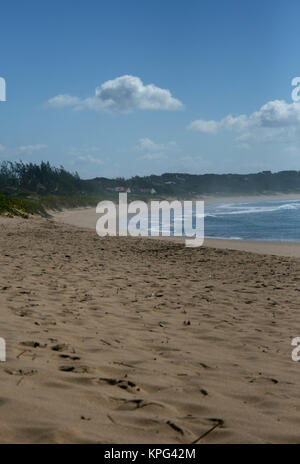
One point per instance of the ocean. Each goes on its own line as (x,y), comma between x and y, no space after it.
(257,220)
(263,220)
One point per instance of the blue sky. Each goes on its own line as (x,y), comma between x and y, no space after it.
(182,86)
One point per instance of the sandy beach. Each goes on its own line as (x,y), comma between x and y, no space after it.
(150,226)
(127,340)
(86,218)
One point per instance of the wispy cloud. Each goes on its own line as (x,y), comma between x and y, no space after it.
(90,159)
(60,101)
(125,93)
(205,127)
(155,151)
(29,149)
(292,150)
(84,154)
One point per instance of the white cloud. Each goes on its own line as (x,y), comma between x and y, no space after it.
(206,127)
(146,144)
(238,123)
(277,113)
(83,154)
(155,151)
(60,101)
(29,149)
(125,93)
(2,148)
(276,120)
(212,127)
(90,159)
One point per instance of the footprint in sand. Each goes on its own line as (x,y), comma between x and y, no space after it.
(130,405)
(33,344)
(67,356)
(75,369)
(21,372)
(127,385)
(59,347)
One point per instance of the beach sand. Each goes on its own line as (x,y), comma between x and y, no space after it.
(129,340)
(86,218)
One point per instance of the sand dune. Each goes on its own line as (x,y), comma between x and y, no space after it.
(144,341)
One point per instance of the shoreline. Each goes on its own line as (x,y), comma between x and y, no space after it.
(86,218)
(215,199)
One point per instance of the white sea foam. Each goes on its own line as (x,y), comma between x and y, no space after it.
(250,208)
(263,222)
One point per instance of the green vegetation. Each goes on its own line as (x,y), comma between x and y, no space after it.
(23,207)
(192,185)
(28,188)
(17,207)
(34,189)
(43,179)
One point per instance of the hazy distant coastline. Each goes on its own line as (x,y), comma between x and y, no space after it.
(238,198)
(44,179)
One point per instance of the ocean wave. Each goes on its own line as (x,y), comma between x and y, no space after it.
(224,237)
(240,208)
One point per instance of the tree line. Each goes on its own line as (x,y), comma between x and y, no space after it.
(44,179)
